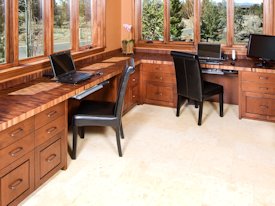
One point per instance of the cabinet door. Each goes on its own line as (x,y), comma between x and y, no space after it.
(17,180)
(49,158)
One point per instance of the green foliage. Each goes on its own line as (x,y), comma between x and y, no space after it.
(247,20)
(213,20)
(152,20)
(176,23)
(61,16)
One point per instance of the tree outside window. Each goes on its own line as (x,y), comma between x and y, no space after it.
(213,21)
(31,32)
(152,20)
(85,24)
(248,18)
(181,20)
(2,31)
(62,34)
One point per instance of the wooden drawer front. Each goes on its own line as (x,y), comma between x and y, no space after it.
(272,107)
(134,79)
(159,92)
(163,68)
(258,77)
(160,77)
(135,94)
(15,183)
(49,115)
(16,132)
(49,158)
(16,150)
(256,87)
(49,130)
(257,105)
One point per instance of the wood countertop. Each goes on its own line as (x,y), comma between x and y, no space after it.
(16,108)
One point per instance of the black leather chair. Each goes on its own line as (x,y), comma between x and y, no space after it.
(190,84)
(95,113)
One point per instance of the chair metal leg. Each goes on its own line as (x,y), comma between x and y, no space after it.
(221,103)
(200,112)
(178,106)
(75,131)
(118,141)
(196,104)
(121,131)
(82,132)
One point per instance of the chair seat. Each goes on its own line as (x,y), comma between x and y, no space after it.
(211,89)
(96,108)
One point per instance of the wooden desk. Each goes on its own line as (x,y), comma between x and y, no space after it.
(33,133)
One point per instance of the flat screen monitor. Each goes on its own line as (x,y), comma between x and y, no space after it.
(62,63)
(209,51)
(261,47)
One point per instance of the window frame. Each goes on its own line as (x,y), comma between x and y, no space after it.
(12,41)
(268,27)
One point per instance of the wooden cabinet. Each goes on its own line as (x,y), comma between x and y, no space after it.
(257,95)
(132,93)
(158,84)
(31,152)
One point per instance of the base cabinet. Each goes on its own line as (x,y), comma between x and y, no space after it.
(31,152)
(158,84)
(257,96)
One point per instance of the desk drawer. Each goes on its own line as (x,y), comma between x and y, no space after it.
(49,115)
(160,77)
(16,183)
(258,87)
(16,132)
(46,132)
(257,105)
(16,150)
(159,68)
(134,78)
(258,77)
(159,92)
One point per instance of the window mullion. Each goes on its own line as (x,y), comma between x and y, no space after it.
(48,27)
(230,23)
(74,24)
(197,28)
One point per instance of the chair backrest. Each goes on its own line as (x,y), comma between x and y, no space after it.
(188,75)
(122,89)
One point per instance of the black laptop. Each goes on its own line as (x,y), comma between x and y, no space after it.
(64,68)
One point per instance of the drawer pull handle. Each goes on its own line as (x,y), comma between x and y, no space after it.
(134,79)
(263,78)
(160,78)
(51,158)
(159,93)
(52,113)
(51,130)
(264,106)
(15,184)
(16,132)
(16,151)
(263,88)
(134,96)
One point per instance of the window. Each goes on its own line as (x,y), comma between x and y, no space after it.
(85,22)
(152,20)
(31,32)
(213,21)
(2,31)
(182,20)
(248,18)
(62,34)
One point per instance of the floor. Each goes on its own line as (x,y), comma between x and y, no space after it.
(169,161)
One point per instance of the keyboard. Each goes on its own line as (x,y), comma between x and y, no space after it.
(212,71)
(216,62)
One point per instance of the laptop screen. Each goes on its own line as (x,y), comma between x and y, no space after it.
(209,51)
(62,63)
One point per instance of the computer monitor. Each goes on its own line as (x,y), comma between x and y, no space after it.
(62,62)
(209,51)
(261,47)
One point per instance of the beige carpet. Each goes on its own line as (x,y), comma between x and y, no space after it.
(170,161)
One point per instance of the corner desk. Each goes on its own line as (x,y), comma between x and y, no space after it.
(33,125)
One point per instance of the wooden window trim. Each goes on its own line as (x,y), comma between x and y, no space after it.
(268,27)
(12,54)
